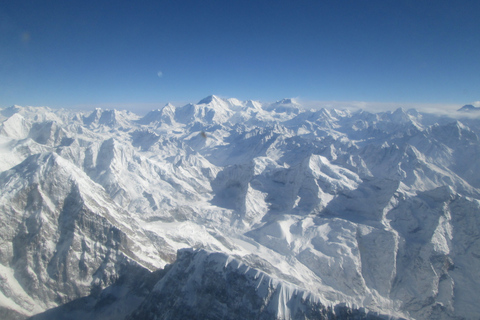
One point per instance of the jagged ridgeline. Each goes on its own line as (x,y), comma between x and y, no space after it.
(229,209)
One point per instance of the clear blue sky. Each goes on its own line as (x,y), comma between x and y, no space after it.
(70,53)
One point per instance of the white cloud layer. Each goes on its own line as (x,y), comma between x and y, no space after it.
(382,106)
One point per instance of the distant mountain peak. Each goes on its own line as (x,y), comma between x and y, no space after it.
(468,108)
(287,105)
(287,101)
(209,99)
(8,112)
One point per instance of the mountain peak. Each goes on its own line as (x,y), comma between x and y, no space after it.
(287,101)
(469,108)
(209,99)
(8,112)
(287,105)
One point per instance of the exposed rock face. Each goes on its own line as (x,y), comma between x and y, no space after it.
(277,212)
(64,240)
(203,285)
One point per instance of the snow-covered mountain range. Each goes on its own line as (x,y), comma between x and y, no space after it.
(229,209)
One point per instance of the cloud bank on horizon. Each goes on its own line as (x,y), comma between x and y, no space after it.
(95,52)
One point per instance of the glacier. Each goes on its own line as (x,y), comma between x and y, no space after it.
(228,209)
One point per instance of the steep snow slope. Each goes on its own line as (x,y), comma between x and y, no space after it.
(314,213)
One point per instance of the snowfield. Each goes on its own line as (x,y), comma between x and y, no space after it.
(229,209)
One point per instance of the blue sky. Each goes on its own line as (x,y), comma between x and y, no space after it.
(94,53)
